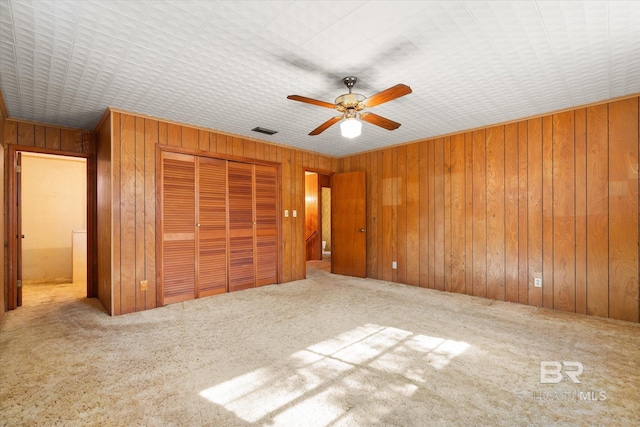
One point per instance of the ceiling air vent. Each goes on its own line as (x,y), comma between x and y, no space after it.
(265,131)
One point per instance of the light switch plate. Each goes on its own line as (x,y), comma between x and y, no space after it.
(286,213)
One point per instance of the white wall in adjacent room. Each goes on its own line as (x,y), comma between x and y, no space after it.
(54,204)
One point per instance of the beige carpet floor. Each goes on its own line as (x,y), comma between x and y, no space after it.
(325,351)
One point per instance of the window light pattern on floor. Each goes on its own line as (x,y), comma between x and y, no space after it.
(324,373)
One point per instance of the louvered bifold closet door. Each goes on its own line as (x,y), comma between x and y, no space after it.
(212,226)
(266,185)
(178,212)
(241,219)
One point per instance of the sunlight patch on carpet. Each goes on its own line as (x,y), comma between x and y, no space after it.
(322,378)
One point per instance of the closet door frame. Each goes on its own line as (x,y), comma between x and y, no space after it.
(198,153)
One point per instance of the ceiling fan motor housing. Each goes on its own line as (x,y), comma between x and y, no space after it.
(350,100)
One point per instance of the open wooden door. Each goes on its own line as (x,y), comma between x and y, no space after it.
(2,249)
(19,235)
(348,224)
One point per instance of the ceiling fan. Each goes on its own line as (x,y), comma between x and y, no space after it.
(351,106)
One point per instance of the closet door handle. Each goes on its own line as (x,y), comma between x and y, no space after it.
(362,230)
(198,225)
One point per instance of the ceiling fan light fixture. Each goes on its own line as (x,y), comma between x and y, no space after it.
(351,127)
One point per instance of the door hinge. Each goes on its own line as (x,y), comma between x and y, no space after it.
(18,283)
(18,168)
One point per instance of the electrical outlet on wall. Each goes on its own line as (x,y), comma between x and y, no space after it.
(394,265)
(143,285)
(537,282)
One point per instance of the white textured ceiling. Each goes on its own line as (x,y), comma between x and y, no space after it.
(229,65)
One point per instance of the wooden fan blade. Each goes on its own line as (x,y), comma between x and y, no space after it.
(377,120)
(325,125)
(388,95)
(311,101)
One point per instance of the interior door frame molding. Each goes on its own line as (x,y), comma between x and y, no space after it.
(329,174)
(12,258)
(219,156)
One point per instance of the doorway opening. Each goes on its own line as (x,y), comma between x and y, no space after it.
(52,228)
(317,221)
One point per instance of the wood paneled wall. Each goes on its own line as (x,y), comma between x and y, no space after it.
(104,210)
(3,260)
(134,139)
(50,138)
(485,212)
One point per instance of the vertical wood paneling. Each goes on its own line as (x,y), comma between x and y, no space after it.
(127,219)
(534,205)
(249,149)
(413,215)
(26,134)
(190,138)
(468,191)
(40,138)
(401,203)
(372,217)
(439,209)
(213,142)
(447,214)
(284,157)
(564,220)
(623,210)
(581,209)
(174,135)
(163,133)
(523,214)
(299,266)
(598,210)
(495,218)
(237,147)
(52,138)
(387,214)
(203,140)
(3,267)
(479,215)
(547,211)
(10,132)
(150,142)
(458,206)
(259,147)
(511,212)
(431,192)
(221,144)
(140,297)
(105,239)
(70,140)
(380,214)
(116,224)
